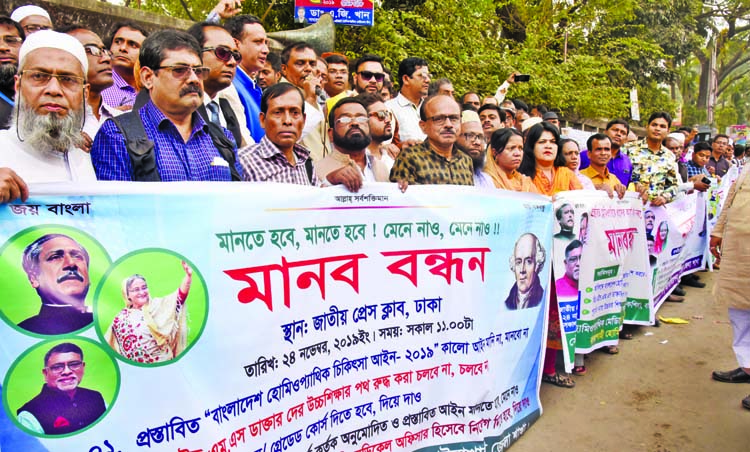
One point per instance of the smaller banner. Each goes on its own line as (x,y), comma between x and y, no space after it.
(358,13)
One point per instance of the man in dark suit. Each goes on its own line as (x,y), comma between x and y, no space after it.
(62,406)
(221,56)
(526,263)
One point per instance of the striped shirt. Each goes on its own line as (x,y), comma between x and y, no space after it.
(264,162)
(176,160)
(120,93)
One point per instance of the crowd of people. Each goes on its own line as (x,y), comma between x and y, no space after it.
(214,104)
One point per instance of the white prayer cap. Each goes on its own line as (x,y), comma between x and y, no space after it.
(48,39)
(678,137)
(469,116)
(529,123)
(22,12)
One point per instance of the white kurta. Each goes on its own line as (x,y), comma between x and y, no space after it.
(35,166)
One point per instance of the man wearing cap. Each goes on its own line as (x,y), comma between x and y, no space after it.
(551,117)
(472,141)
(510,113)
(11,38)
(184,148)
(43,145)
(32,18)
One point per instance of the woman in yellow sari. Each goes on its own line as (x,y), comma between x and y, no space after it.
(504,155)
(544,164)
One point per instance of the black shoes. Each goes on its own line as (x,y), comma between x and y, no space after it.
(733,376)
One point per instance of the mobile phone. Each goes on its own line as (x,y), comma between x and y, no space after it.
(706,181)
(521,78)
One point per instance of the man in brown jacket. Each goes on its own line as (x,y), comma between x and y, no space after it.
(730,240)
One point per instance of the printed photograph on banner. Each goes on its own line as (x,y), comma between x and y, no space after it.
(151,307)
(49,274)
(526,263)
(59,388)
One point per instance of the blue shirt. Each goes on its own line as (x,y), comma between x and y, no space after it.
(619,165)
(694,170)
(250,96)
(176,160)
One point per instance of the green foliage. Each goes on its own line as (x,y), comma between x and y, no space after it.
(583,55)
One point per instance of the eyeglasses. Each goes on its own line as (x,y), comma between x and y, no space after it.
(67,82)
(383,115)
(34,28)
(12,41)
(367,75)
(96,51)
(348,119)
(439,120)
(60,367)
(224,53)
(473,136)
(181,71)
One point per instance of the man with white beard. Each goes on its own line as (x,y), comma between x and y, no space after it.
(44,140)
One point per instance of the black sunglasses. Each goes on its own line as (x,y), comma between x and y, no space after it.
(224,53)
(367,75)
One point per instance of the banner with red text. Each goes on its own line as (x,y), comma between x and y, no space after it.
(264,317)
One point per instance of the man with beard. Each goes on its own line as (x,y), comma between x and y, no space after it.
(221,57)
(43,143)
(125,44)
(414,77)
(492,118)
(436,160)
(58,268)
(99,78)
(471,141)
(183,149)
(62,406)
(381,128)
(271,72)
(11,38)
(617,130)
(349,164)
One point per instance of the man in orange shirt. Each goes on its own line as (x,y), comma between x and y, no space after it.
(600,152)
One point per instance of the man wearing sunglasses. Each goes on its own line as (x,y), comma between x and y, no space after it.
(349,164)
(368,76)
(381,128)
(183,147)
(44,141)
(11,38)
(221,57)
(62,406)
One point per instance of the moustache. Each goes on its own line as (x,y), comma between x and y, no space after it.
(190,89)
(71,274)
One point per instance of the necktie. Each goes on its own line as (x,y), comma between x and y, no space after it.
(213,108)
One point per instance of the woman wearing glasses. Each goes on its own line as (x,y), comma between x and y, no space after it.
(150,330)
